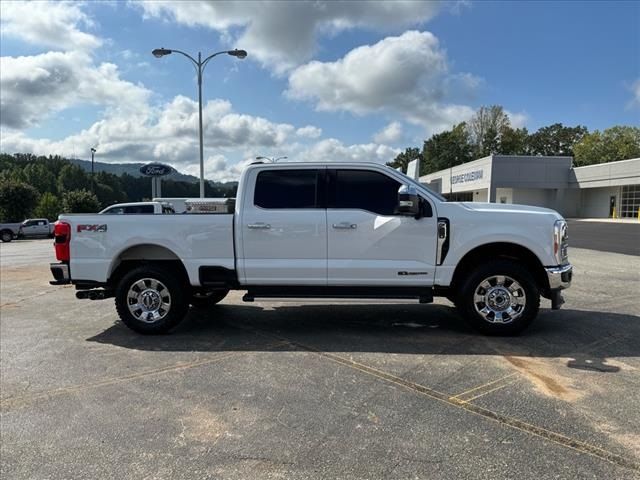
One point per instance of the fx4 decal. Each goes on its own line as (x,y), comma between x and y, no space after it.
(92,228)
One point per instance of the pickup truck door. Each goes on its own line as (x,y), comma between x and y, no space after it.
(283,228)
(43,228)
(367,243)
(35,228)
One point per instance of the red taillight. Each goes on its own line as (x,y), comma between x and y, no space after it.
(62,235)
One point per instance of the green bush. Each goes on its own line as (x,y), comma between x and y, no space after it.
(49,207)
(80,201)
(17,201)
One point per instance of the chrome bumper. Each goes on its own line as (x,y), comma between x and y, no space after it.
(559,277)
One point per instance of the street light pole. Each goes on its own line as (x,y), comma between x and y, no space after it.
(200,125)
(93,182)
(199,66)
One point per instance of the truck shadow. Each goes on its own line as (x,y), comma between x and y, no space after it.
(587,337)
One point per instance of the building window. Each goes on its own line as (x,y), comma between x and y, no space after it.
(630,201)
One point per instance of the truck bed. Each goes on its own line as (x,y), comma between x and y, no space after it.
(100,242)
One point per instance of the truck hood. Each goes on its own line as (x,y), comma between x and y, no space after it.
(508,208)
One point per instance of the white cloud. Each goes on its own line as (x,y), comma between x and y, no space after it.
(309,132)
(35,86)
(121,141)
(328,150)
(48,23)
(283,34)
(168,133)
(333,150)
(517,119)
(217,168)
(635,91)
(389,134)
(406,75)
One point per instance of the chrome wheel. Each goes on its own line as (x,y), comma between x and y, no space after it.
(149,300)
(499,299)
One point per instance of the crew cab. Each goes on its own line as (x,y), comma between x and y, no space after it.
(35,228)
(309,230)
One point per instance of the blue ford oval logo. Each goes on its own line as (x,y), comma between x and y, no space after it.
(155,169)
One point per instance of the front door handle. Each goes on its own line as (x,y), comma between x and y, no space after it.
(259,226)
(345,226)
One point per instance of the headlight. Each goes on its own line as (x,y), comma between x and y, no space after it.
(561,242)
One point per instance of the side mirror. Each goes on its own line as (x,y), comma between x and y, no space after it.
(408,201)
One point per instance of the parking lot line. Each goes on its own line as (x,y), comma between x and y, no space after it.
(17,402)
(482,386)
(487,392)
(503,420)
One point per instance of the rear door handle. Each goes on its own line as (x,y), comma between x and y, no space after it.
(345,226)
(259,226)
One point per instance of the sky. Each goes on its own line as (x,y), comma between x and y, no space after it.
(323,80)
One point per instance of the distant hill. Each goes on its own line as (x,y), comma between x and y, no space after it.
(132,169)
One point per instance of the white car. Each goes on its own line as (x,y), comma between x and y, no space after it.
(138,208)
(308,230)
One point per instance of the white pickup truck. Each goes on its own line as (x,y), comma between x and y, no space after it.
(35,228)
(136,208)
(309,230)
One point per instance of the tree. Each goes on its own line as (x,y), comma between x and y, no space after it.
(404,158)
(72,177)
(49,207)
(40,177)
(17,201)
(485,129)
(514,141)
(80,201)
(613,144)
(447,149)
(556,140)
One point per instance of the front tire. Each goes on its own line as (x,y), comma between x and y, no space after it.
(150,300)
(6,236)
(499,298)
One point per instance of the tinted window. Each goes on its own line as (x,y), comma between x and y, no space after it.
(365,190)
(139,209)
(114,211)
(287,189)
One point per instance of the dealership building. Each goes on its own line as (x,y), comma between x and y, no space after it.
(595,191)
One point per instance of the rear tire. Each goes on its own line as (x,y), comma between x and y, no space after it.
(207,299)
(6,236)
(499,298)
(150,300)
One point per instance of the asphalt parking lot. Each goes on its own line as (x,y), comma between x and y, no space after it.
(318,390)
(605,237)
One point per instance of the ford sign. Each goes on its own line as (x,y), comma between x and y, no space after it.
(155,169)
